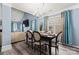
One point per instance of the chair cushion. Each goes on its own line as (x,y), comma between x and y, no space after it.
(37,36)
(29,34)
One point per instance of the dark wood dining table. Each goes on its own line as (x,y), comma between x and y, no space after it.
(49,38)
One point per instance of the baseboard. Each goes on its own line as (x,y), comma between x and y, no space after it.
(6,47)
(17,41)
(73,46)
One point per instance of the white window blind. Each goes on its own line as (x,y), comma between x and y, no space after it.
(55,23)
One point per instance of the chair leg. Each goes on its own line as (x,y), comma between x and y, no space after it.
(32,45)
(56,50)
(40,49)
(34,48)
(45,48)
(28,45)
(26,41)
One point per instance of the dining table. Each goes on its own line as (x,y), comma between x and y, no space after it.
(48,37)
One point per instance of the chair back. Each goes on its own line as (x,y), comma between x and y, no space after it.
(29,35)
(37,36)
(59,36)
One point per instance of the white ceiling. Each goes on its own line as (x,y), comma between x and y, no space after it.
(41,8)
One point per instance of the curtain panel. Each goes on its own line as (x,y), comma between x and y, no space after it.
(36,24)
(67,27)
(30,24)
(44,24)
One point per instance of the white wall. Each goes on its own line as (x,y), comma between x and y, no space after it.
(17,15)
(0,15)
(75,23)
(0,11)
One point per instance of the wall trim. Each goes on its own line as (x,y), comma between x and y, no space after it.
(6,47)
(73,46)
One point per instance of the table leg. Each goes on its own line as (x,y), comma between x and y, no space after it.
(50,47)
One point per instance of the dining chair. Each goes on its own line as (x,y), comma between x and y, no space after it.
(38,40)
(26,38)
(56,41)
(30,38)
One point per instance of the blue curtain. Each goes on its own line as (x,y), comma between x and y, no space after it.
(44,24)
(36,24)
(30,24)
(67,27)
(18,26)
